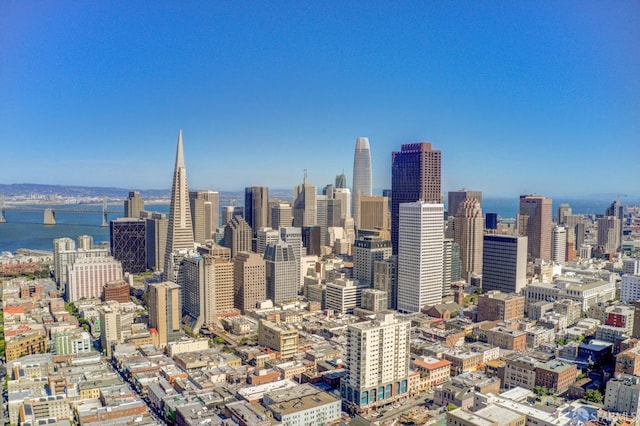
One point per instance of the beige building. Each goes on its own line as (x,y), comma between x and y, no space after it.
(468,233)
(282,338)
(520,372)
(374,213)
(249,280)
(497,306)
(165,312)
(535,221)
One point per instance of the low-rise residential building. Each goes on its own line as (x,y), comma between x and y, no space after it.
(506,338)
(623,395)
(303,405)
(556,376)
(520,372)
(497,306)
(282,338)
(432,372)
(628,362)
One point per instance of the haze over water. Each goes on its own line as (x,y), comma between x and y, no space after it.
(26,230)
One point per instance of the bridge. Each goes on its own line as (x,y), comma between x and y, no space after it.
(49,213)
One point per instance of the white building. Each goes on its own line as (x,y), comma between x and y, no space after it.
(87,276)
(344,295)
(630,288)
(377,363)
(420,255)
(265,236)
(303,405)
(559,244)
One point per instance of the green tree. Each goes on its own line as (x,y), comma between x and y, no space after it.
(593,395)
(451,406)
(540,390)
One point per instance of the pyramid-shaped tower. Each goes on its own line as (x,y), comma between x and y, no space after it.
(180,232)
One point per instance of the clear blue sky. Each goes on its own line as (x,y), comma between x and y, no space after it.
(520,96)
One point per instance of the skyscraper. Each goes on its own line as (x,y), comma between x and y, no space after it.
(377,358)
(559,244)
(156,226)
(249,280)
(374,213)
(609,233)
(469,228)
(341,181)
(133,205)
(415,176)
(228,212)
(420,255)
(237,235)
(204,214)
(504,263)
(198,290)
(180,232)
(256,207)
(128,243)
(281,215)
(535,221)
(366,251)
(456,198)
(361,176)
(165,311)
(304,204)
(282,271)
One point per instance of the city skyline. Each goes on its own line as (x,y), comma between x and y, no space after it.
(100,90)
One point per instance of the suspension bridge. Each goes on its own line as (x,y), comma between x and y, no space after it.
(49,213)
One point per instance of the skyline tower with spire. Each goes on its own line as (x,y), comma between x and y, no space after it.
(362,185)
(180,232)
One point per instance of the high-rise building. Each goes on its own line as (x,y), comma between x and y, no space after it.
(165,312)
(256,207)
(85,242)
(420,255)
(228,212)
(362,181)
(60,246)
(204,214)
(282,272)
(133,205)
(341,181)
(415,176)
(180,230)
(304,204)
(249,280)
(609,233)
(128,243)
(110,328)
(385,278)
(237,235)
(198,290)
(504,263)
(87,277)
(535,222)
(366,251)
(377,363)
(222,275)
(329,215)
(491,221)
(452,267)
(559,244)
(265,237)
(456,198)
(617,210)
(344,195)
(157,226)
(344,295)
(469,229)
(281,215)
(293,236)
(374,213)
(563,212)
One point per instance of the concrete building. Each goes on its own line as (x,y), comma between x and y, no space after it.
(293,236)
(249,280)
(304,204)
(374,213)
(110,328)
(266,236)
(504,263)
(377,363)
(420,255)
(374,300)
(366,251)
(282,338)
(133,205)
(198,290)
(630,288)
(237,235)
(415,176)
(556,375)
(157,227)
(256,207)
(385,278)
(282,272)
(520,372)
(623,395)
(585,293)
(362,180)
(128,238)
(344,295)
(87,277)
(281,215)
(559,244)
(609,233)
(457,198)
(469,229)
(535,222)
(180,229)
(303,405)
(72,342)
(497,306)
(229,212)
(165,312)
(204,214)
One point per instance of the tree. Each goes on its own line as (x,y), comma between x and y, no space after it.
(540,390)
(451,406)
(593,395)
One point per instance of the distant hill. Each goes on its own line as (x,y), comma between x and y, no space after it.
(27,189)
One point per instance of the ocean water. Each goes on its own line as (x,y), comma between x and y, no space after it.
(26,229)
